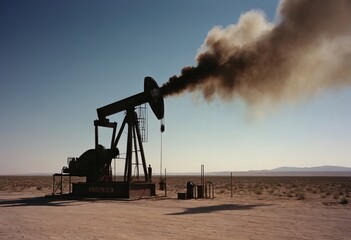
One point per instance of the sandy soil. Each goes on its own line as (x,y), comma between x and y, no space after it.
(27,214)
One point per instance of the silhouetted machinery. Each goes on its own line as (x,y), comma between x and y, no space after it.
(95,164)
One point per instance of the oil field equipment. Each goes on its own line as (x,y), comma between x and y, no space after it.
(204,190)
(95,164)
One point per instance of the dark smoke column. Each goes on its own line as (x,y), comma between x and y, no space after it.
(308,50)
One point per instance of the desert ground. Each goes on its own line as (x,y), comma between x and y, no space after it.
(260,208)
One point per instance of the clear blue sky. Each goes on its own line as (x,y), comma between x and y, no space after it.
(60,60)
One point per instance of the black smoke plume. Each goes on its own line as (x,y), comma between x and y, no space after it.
(307,50)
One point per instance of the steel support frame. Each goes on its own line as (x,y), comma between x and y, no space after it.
(134,143)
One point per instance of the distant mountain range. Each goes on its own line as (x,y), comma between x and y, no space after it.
(284,171)
(325,168)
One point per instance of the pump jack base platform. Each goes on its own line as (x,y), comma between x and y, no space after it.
(114,189)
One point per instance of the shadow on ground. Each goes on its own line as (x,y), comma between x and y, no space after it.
(216,208)
(56,201)
(37,201)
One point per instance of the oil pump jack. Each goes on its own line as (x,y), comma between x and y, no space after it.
(95,164)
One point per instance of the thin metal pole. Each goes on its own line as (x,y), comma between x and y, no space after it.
(231,184)
(161,160)
(165,182)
